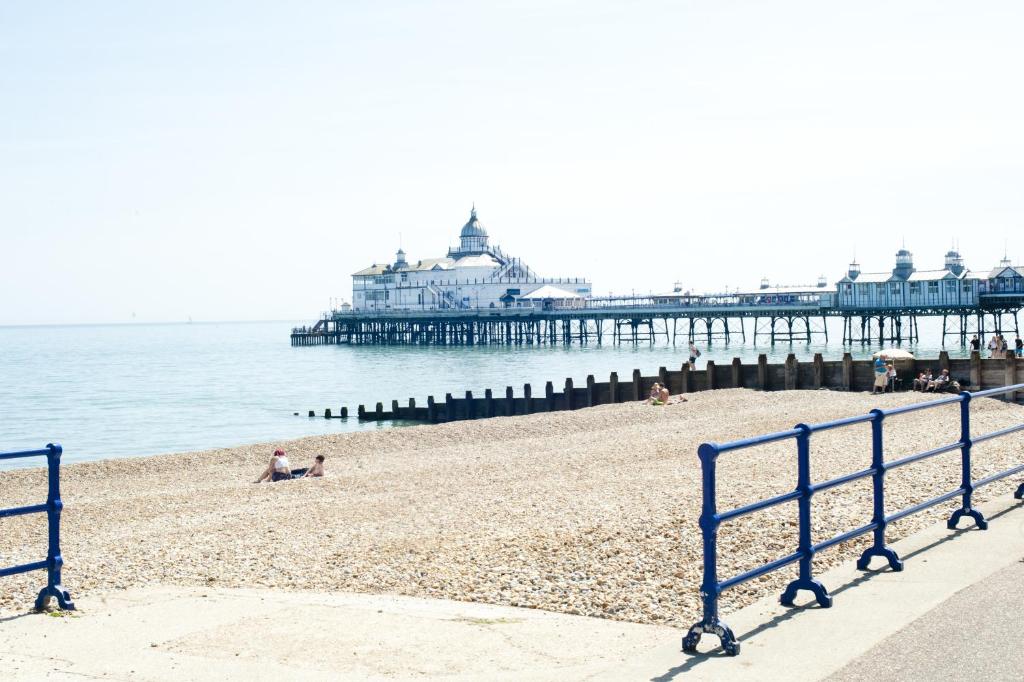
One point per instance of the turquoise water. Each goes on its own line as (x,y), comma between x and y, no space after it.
(108,391)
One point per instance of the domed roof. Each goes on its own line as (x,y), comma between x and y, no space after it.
(473,228)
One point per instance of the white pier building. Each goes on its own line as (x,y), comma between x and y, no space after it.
(473,275)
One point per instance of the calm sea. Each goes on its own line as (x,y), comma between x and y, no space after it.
(108,391)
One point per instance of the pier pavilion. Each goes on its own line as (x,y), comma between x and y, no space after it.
(471,276)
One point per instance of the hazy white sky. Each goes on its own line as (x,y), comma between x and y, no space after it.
(239,160)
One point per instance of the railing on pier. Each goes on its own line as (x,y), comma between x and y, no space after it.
(711,518)
(53,562)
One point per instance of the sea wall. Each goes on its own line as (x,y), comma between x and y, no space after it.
(973,373)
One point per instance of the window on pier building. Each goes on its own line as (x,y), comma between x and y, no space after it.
(933,287)
(881,289)
(895,288)
(915,288)
(967,287)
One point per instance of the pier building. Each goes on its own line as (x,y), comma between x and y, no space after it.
(472,275)
(504,303)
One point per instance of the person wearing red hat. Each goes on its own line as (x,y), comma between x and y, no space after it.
(278,470)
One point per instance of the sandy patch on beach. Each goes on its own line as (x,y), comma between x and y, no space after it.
(592,512)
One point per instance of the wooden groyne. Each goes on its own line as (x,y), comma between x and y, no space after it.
(973,373)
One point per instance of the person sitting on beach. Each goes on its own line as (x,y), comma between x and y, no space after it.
(655,396)
(942,382)
(921,383)
(314,471)
(277,470)
(664,395)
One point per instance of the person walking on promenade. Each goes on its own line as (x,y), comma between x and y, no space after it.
(694,354)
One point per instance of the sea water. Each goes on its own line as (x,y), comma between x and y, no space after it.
(108,391)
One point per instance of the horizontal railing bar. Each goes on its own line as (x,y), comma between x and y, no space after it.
(843,537)
(913,407)
(26,453)
(924,505)
(841,480)
(24,568)
(996,477)
(995,434)
(997,391)
(756,506)
(841,422)
(18,511)
(922,455)
(757,440)
(753,573)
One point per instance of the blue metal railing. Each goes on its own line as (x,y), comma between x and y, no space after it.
(711,518)
(53,562)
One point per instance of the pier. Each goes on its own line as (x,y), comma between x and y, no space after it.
(648,319)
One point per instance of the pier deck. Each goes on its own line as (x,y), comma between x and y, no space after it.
(641,319)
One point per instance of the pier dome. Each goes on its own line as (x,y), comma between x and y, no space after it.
(954,262)
(473,238)
(904,264)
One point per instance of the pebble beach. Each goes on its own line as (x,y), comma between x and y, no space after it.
(592,512)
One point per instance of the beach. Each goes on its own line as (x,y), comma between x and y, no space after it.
(591,512)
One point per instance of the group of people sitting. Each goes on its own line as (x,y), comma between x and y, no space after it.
(660,395)
(280,469)
(930,383)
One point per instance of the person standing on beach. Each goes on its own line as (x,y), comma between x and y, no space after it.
(975,343)
(1019,347)
(881,375)
(993,346)
(694,354)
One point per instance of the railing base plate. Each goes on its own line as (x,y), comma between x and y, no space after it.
(885,552)
(729,643)
(820,593)
(979,518)
(57,592)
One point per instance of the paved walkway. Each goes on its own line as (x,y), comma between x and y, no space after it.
(953,613)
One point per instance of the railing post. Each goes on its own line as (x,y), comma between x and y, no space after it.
(965,478)
(879,547)
(805,581)
(54,560)
(710,590)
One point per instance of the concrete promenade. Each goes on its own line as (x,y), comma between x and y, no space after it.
(953,613)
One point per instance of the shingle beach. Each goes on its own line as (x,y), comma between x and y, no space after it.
(592,512)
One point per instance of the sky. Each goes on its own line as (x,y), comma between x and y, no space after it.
(239,160)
